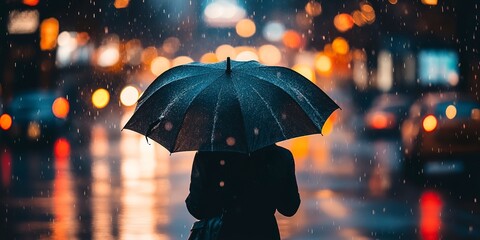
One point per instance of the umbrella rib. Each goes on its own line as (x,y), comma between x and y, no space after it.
(215,118)
(293,89)
(153,126)
(145,97)
(241,113)
(271,111)
(188,108)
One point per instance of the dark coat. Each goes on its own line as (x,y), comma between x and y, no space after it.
(249,189)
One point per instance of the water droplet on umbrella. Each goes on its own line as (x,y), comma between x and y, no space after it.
(230,141)
(168,126)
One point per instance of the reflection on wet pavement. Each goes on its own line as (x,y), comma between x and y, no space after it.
(120,187)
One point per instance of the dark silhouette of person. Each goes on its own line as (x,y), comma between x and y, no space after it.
(248,189)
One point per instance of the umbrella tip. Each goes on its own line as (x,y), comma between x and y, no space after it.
(229,69)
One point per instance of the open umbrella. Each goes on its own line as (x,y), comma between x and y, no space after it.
(229,106)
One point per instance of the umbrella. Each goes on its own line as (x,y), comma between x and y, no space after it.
(229,106)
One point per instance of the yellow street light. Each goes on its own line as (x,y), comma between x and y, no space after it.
(100,98)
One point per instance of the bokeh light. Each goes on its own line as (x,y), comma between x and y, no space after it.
(149,54)
(171,45)
(292,39)
(368,12)
(429,123)
(305,71)
(358,18)
(109,55)
(273,31)
(49,29)
(223,13)
(246,55)
(451,111)
(159,65)
(129,96)
(340,46)
(209,58)
(245,28)
(23,22)
(5,121)
(430,2)
(180,60)
(343,22)
(60,107)
(269,54)
(313,8)
(31,3)
(121,3)
(100,98)
(66,39)
(61,148)
(323,64)
(224,51)
(33,130)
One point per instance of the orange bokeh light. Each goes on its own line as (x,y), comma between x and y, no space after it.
(31,3)
(430,123)
(121,3)
(343,22)
(430,2)
(380,120)
(292,39)
(305,71)
(5,121)
(323,63)
(313,8)
(209,58)
(340,46)
(245,28)
(60,107)
(48,33)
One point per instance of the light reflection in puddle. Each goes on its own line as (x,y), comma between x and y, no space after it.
(65,224)
(134,195)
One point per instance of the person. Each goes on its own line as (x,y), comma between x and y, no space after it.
(247,189)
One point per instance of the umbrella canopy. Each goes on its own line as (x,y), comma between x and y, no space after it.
(229,106)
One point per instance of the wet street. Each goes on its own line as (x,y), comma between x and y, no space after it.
(117,186)
(397,106)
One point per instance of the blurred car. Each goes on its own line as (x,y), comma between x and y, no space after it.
(36,116)
(386,114)
(441,134)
